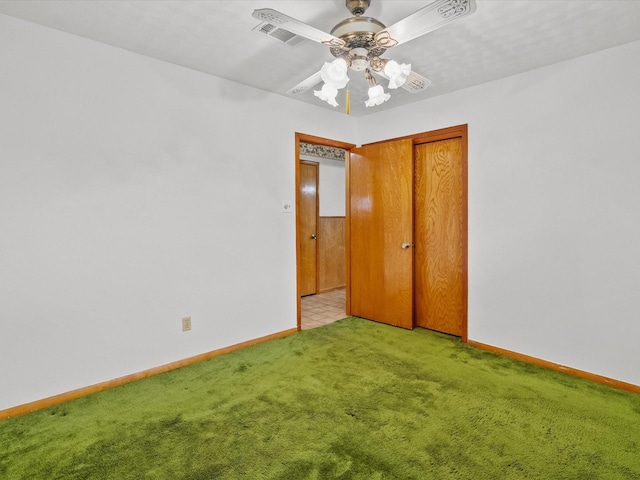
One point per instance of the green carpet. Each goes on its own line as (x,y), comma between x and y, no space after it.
(351,400)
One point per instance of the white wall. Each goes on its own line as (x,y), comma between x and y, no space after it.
(331,186)
(130,197)
(554,207)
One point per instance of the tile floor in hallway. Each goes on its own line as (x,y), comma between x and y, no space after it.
(322,308)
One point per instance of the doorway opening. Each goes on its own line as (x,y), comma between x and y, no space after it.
(423,252)
(322,308)
(321,187)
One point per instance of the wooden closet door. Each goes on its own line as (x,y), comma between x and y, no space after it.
(381,232)
(440,237)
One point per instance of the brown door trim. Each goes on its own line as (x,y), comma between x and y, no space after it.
(302,137)
(432,136)
(458,131)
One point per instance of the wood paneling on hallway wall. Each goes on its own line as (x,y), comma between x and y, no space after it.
(331,261)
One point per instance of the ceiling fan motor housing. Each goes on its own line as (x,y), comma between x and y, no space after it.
(358,33)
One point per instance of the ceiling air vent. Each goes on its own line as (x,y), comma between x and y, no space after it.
(285,36)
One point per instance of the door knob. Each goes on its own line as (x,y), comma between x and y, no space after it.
(313,237)
(406,245)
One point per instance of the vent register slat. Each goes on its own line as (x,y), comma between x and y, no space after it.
(285,36)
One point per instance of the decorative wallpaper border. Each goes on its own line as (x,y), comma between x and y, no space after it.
(322,151)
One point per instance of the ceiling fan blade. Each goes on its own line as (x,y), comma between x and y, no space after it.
(296,26)
(414,83)
(425,20)
(306,84)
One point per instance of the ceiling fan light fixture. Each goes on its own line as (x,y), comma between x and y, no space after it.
(377,96)
(397,73)
(327,94)
(359,42)
(359,63)
(335,73)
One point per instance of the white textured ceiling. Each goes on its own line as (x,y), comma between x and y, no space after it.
(502,38)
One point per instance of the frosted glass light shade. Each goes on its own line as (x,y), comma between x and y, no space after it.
(397,73)
(377,96)
(328,94)
(335,73)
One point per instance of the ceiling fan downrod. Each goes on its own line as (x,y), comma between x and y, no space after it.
(357,7)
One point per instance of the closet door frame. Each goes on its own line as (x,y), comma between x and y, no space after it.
(461,132)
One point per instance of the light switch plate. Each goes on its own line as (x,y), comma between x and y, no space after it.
(186,324)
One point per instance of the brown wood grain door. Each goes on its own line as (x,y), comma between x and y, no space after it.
(331,253)
(381,232)
(440,237)
(308,228)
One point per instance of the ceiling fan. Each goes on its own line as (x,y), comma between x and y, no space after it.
(359,42)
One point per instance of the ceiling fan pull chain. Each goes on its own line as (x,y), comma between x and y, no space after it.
(348,102)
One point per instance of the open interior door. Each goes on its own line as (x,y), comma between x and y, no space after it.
(381,232)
